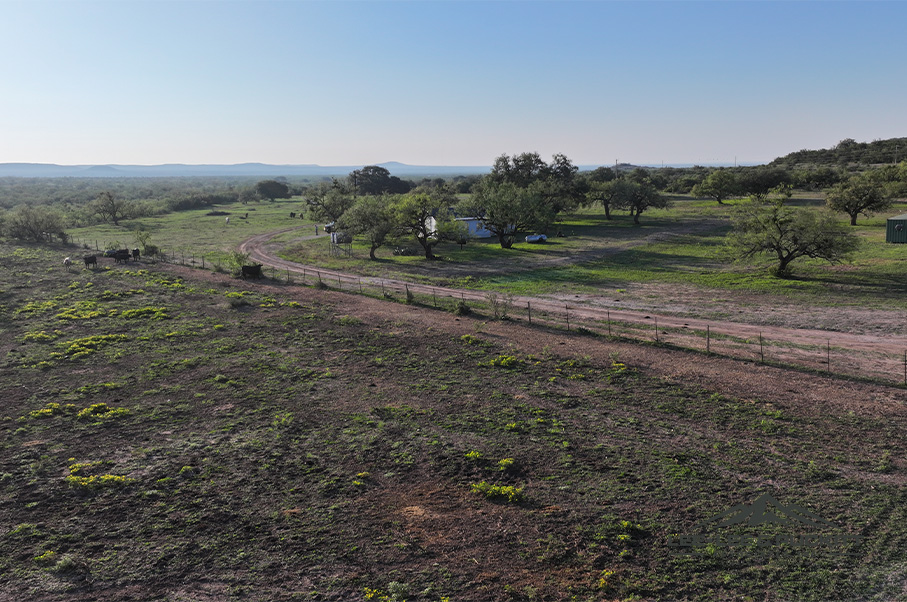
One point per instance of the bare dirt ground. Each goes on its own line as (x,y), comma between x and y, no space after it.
(848,340)
(743,379)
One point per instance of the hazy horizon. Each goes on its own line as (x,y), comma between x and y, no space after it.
(444,83)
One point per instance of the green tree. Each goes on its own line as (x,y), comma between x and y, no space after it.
(37,224)
(371,217)
(506,208)
(272,189)
(604,194)
(859,194)
(111,209)
(637,197)
(426,215)
(720,185)
(374,179)
(788,233)
(760,181)
(327,202)
(554,186)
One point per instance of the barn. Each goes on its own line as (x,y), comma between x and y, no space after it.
(897,229)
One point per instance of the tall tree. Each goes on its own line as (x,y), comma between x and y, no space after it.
(788,233)
(327,202)
(374,179)
(426,215)
(110,208)
(371,217)
(859,194)
(604,194)
(759,181)
(720,185)
(505,209)
(556,184)
(638,197)
(272,189)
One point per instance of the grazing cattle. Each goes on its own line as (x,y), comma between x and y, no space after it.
(251,271)
(122,255)
(66,263)
(292,214)
(228,221)
(135,255)
(90,260)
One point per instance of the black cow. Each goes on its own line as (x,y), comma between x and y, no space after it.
(135,255)
(251,271)
(122,255)
(90,260)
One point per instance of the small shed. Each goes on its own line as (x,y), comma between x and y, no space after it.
(897,229)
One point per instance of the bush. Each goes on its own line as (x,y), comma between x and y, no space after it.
(461,308)
(494,492)
(37,224)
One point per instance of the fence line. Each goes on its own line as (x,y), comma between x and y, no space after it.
(757,349)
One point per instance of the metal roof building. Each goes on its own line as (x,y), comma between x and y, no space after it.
(897,229)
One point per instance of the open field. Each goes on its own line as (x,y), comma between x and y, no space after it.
(176,434)
(673,263)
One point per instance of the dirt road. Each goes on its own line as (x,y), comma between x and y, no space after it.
(841,352)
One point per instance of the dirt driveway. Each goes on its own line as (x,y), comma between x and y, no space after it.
(862,343)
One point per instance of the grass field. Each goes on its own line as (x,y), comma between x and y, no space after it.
(681,245)
(198,438)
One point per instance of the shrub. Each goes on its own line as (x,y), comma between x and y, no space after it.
(505,361)
(461,308)
(497,492)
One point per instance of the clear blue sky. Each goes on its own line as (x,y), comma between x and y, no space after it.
(445,83)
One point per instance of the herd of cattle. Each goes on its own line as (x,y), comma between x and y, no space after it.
(124,255)
(119,256)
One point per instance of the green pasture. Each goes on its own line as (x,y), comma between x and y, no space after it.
(194,232)
(683,244)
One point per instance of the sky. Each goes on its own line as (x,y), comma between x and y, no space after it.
(454,83)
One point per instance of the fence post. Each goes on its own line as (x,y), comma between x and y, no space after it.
(761,349)
(434,295)
(339,284)
(609,322)
(529,310)
(360,286)
(828,356)
(288,275)
(319,278)
(708,339)
(656,328)
(567,310)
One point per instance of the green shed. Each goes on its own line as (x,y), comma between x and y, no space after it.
(897,229)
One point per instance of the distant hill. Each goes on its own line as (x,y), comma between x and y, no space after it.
(848,152)
(46,170)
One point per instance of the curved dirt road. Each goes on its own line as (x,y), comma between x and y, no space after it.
(845,353)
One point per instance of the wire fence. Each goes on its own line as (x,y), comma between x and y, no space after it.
(828,357)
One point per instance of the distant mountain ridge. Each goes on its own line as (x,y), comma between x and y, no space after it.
(49,170)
